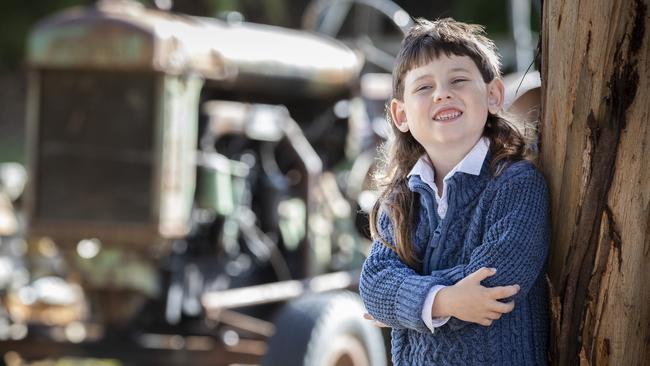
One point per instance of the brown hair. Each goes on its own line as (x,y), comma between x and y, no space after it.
(424,42)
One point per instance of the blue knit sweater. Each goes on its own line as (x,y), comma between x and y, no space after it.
(499,222)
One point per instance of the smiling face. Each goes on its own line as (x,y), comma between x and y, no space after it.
(446,102)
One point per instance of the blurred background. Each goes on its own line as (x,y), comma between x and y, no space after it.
(17,17)
(188,181)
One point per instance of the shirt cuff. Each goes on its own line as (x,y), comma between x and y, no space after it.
(430,322)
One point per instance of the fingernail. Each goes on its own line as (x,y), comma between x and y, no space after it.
(517,287)
(494,270)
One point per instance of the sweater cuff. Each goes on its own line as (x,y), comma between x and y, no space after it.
(410,300)
(429,321)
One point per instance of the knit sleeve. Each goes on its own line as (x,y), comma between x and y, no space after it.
(392,292)
(516,239)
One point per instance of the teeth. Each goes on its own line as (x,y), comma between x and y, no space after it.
(447,116)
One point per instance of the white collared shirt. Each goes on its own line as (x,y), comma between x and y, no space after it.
(471,164)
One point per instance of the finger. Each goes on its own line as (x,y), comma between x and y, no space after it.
(503,308)
(379,324)
(493,315)
(482,273)
(486,322)
(368,316)
(503,292)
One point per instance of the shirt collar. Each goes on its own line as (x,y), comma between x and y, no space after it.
(471,164)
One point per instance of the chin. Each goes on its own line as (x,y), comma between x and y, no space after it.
(450,139)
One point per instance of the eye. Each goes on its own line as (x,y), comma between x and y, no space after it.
(423,87)
(458,80)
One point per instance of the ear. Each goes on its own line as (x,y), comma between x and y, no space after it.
(496,95)
(398,115)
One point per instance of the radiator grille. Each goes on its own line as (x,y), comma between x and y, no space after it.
(95,149)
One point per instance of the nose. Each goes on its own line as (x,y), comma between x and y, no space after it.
(442,94)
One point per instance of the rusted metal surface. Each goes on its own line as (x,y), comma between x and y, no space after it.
(124,35)
(128,180)
(81,158)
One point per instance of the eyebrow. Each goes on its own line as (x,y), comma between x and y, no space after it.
(459,69)
(455,69)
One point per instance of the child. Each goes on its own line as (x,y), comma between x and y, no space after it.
(461,226)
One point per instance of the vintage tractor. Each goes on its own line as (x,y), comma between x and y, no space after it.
(191,195)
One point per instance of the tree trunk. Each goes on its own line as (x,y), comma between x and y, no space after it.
(595,153)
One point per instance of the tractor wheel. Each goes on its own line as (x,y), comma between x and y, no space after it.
(325,330)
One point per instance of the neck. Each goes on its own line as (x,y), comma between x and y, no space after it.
(445,157)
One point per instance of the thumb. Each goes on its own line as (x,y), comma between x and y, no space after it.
(481,274)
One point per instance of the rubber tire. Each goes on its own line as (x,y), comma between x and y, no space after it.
(310,330)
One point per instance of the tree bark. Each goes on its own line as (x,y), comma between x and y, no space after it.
(595,153)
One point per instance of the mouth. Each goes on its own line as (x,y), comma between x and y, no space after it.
(447,115)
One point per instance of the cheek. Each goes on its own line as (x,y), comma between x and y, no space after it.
(479,113)
(413,108)
(419,104)
(483,109)
(481,104)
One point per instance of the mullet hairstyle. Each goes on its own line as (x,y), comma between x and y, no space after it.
(425,42)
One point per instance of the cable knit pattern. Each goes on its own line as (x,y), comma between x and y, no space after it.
(499,222)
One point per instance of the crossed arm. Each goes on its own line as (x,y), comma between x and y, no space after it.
(515,244)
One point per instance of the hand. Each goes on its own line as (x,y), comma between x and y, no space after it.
(468,300)
(376,323)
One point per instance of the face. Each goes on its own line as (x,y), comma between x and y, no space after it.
(446,102)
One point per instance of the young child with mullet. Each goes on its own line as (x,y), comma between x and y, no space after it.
(461,226)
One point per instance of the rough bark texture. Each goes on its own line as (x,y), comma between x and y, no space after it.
(595,152)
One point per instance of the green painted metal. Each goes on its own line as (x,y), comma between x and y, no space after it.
(249,57)
(90,44)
